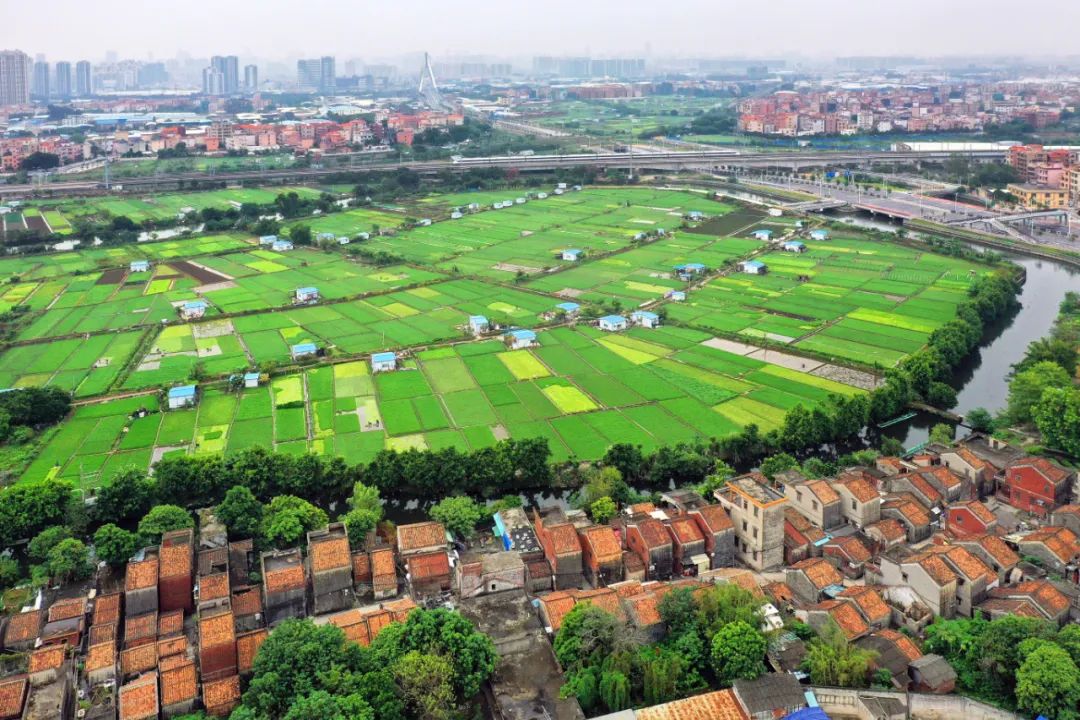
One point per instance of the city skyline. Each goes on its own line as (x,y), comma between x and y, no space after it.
(602,27)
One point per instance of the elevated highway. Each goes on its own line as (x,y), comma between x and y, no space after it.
(700,160)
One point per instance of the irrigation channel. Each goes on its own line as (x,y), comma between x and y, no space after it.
(981,381)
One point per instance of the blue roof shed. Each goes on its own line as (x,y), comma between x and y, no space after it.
(568,307)
(251,376)
(383,357)
(819,234)
(195,305)
(528,335)
(182,391)
(307,348)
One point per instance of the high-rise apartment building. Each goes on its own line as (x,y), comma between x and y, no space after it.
(84,79)
(316,74)
(229,67)
(152,75)
(251,78)
(213,81)
(329,76)
(63,80)
(14,78)
(40,86)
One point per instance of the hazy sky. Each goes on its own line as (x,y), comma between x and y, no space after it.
(74,29)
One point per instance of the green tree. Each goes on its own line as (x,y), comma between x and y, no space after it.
(425,682)
(980,420)
(300,235)
(941,395)
(365,512)
(241,512)
(723,605)
(603,482)
(587,633)
(1069,639)
(38,549)
(615,690)
(288,519)
(289,664)
(10,573)
(832,660)
(1050,349)
(127,497)
(321,705)
(459,514)
(69,560)
(162,519)
(602,510)
(774,464)
(942,433)
(28,508)
(1057,416)
(1048,684)
(738,652)
(114,545)
(1027,387)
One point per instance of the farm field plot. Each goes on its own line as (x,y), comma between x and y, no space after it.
(85,366)
(530,237)
(643,273)
(262,279)
(170,204)
(352,222)
(849,299)
(618,117)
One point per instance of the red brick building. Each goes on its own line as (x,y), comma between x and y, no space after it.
(1035,485)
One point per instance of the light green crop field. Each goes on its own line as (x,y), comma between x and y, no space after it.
(91,326)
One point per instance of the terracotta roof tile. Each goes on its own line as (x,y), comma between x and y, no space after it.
(564,539)
(902,642)
(852,548)
(946,477)
(603,542)
(1068,510)
(139,659)
(1060,541)
(178,684)
(213,559)
(972,459)
(400,609)
(13,696)
(653,533)
(141,574)
(603,598)
(556,606)
(24,627)
(716,518)
(361,567)
(1011,606)
(743,578)
(354,624)
(422,535)
(171,661)
(174,561)
(1040,592)
(819,572)
(1052,472)
(220,694)
(378,621)
(102,632)
(869,601)
(247,601)
(685,530)
(996,548)
(718,705)
(216,629)
(890,529)
(100,656)
(330,554)
(824,493)
(846,616)
(642,508)
(978,509)
(107,608)
(50,657)
(935,567)
(139,698)
(213,587)
(247,644)
(626,588)
(67,609)
(909,507)
(780,592)
(928,491)
(171,623)
(140,627)
(804,529)
(645,609)
(426,566)
(970,566)
(290,577)
(172,646)
(382,563)
(858,487)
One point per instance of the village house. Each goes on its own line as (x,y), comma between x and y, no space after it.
(868,601)
(757,512)
(330,568)
(885,534)
(1035,485)
(688,545)
(974,578)
(182,396)
(860,502)
(894,652)
(649,540)
(969,517)
(848,554)
(926,574)
(217,645)
(718,532)
(562,548)
(489,572)
(802,538)
(284,585)
(383,362)
(1032,598)
(176,560)
(974,469)
(909,512)
(846,616)
(993,551)
(1067,516)
(601,555)
(813,580)
(612,323)
(816,500)
(1057,549)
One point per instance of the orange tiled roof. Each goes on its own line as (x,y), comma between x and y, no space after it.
(652,533)
(246,601)
(859,488)
(172,646)
(290,577)
(1060,541)
(100,656)
(67,609)
(902,642)
(214,586)
(139,659)
(141,574)
(931,493)
(717,705)
(685,531)
(171,623)
(330,554)
(50,657)
(564,539)
(216,629)
(221,693)
(642,508)
(910,507)
(420,535)
(170,662)
(1068,510)
(174,561)
(891,530)
(361,566)
(869,601)
(378,621)
(1049,470)
(801,525)
(140,627)
(716,518)
(998,550)
(743,578)
(556,606)
(972,459)
(945,476)
(780,592)
(972,567)
(1011,606)
(821,489)
(382,563)
(12,696)
(626,588)
(853,548)
(139,698)
(977,509)
(819,572)
(354,624)
(247,645)
(24,626)
(605,546)
(426,566)
(400,609)
(645,608)
(1041,592)
(178,683)
(935,567)
(107,609)
(105,632)
(846,616)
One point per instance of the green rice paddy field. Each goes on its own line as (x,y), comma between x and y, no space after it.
(581,389)
(856,300)
(851,299)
